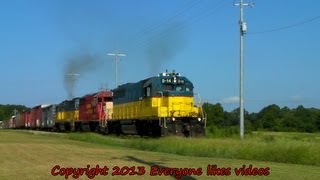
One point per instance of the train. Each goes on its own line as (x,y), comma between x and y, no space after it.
(162,105)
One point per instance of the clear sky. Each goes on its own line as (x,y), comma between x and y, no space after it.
(40,40)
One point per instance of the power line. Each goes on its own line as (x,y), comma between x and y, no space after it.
(167,19)
(139,37)
(288,26)
(202,15)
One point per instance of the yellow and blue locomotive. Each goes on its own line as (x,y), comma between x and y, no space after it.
(158,106)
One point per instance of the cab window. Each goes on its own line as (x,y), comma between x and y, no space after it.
(188,88)
(167,87)
(148,91)
(107,99)
(179,88)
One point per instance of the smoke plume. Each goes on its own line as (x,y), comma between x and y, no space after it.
(76,67)
(164,47)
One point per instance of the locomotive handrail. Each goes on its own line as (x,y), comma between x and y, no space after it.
(203,114)
(164,120)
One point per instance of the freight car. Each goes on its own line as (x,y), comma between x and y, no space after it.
(12,122)
(26,117)
(157,106)
(35,117)
(48,117)
(18,121)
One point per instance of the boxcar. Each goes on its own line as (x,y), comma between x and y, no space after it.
(19,122)
(27,118)
(36,117)
(12,122)
(48,117)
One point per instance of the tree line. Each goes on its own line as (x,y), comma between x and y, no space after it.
(270,118)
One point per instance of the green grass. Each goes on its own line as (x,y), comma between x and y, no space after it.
(262,148)
(31,155)
(294,148)
(214,132)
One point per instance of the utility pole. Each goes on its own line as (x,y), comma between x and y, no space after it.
(73,77)
(243,30)
(117,56)
(15,112)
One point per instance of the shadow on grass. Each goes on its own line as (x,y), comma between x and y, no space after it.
(131,158)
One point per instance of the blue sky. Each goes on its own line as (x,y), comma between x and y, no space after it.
(198,38)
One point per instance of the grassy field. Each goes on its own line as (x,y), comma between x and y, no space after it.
(294,148)
(32,155)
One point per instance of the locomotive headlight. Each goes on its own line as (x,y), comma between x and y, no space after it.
(173,119)
(199,119)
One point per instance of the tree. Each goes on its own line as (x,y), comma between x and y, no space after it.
(232,118)
(306,120)
(215,114)
(269,117)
